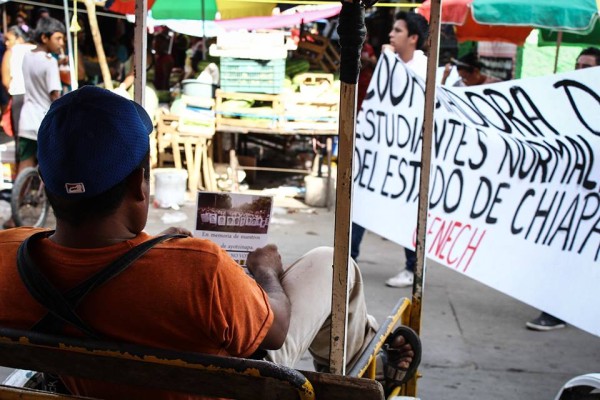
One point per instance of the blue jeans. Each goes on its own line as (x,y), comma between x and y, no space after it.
(357,235)
(355,238)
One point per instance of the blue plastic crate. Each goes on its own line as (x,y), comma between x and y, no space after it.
(252,76)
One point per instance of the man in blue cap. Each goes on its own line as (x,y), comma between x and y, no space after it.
(175,291)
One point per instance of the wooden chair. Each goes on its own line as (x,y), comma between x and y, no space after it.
(196,142)
(175,132)
(166,127)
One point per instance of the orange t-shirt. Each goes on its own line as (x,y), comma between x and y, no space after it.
(183,294)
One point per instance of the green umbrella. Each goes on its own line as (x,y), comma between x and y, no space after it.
(185,9)
(563,15)
(574,16)
(549,37)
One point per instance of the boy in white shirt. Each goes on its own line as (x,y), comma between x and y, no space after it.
(42,86)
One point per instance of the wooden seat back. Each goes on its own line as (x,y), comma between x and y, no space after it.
(191,373)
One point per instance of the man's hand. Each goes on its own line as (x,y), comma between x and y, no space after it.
(447,69)
(265,260)
(266,267)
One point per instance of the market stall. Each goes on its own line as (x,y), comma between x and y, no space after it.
(260,92)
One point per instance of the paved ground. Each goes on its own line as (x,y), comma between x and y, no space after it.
(475,343)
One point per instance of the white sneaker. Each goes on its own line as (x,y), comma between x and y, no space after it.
(403,279)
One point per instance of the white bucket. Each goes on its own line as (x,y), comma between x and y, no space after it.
(316,191)
(169,188)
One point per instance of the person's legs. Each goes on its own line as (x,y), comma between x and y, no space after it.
(27,150)
(308,284)
(411,259)
(405,277)
(356,238)
(15,112)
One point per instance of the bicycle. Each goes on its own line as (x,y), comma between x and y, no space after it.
(29,204)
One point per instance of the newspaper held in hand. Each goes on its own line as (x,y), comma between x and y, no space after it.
(237,222)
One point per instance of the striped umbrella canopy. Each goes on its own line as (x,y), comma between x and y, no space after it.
(576,19)
(458,13)
(195,9)
(564,15)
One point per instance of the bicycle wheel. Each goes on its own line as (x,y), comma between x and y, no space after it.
(28,203)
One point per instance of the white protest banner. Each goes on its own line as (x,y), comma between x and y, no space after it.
(515,182)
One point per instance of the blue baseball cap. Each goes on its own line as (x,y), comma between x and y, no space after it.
(90,140)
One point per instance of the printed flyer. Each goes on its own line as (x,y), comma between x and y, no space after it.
(237,222)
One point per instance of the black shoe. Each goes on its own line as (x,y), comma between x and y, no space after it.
(545,322)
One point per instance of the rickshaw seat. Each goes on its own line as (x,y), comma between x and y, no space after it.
(191,373)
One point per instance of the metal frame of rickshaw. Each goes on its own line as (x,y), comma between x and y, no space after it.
(210,375)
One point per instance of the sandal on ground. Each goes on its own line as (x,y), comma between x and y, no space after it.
(395,376)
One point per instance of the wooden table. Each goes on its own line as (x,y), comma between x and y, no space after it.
(196,145)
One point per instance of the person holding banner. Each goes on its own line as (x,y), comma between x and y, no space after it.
(589,57)
(469,69)
(407,41)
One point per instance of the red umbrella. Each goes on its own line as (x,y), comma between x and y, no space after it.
(458,13)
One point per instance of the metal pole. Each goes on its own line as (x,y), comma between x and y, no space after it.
(140,55)
(343,209)
(559,37)
(76,28)
(428,122)
(70,47)
(343,221)
(203,32)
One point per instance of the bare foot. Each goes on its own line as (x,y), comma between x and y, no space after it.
(400,353)
(403,356)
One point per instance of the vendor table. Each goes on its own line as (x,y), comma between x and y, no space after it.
(281,116)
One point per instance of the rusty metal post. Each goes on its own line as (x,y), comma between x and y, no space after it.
(140,44)
(352,33)
(428,123)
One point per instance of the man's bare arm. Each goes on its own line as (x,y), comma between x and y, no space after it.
(265,265)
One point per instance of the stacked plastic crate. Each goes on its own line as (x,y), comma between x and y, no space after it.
(251,62)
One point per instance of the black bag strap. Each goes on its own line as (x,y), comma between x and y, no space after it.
(61,307)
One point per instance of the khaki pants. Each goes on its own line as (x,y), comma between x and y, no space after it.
(308,284)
